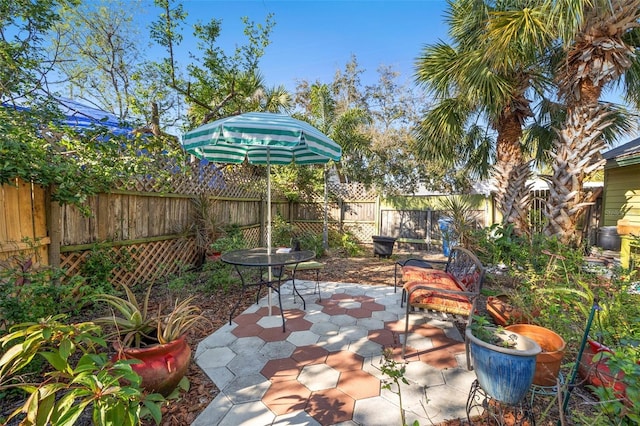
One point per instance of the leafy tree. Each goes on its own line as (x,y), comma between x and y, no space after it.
(97,51)
(217,84)
(394,166)
(102,63)
(23,26)
(74,165)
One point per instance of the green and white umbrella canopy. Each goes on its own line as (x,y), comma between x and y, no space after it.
(261,138)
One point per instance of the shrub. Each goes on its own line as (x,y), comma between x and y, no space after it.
(78,377)
(99,265)
(29,291)
(231,239)
(344,241)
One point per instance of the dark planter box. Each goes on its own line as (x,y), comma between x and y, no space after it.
(608,238)
(383,246)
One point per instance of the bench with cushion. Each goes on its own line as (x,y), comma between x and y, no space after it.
(448,294)
(405,263)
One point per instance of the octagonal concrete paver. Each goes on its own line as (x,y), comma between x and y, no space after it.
(325,368)
(318,377)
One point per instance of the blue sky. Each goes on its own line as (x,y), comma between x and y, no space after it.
(312,39)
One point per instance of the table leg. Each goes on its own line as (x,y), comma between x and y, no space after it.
(295,289)
(244,288)
(277,290)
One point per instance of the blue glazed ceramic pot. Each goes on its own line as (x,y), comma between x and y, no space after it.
(505,374)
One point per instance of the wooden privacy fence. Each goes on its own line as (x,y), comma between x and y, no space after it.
(150,233)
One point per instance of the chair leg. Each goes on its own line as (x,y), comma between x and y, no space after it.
(395,278)
(406,331)
(318,285)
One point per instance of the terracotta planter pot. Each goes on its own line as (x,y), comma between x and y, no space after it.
(503,312)
(548,361)
(162,367)
(597,373)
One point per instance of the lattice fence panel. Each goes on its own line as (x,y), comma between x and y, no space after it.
(72,261)
(232,181)
(351,191)
(252,236)
(362,231)
(147,262)
(310,227)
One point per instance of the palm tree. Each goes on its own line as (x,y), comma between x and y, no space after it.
(597,40)
(343,125)
(598,54)
(481,106)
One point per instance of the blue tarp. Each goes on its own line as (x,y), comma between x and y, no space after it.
(85,117)
(82,116)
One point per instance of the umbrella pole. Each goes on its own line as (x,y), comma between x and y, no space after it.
(269,224)
(325,224)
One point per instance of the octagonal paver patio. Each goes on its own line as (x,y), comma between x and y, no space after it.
(325,368)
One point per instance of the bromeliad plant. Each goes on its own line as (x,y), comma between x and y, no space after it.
(137,326)
(181,319)
(77,378)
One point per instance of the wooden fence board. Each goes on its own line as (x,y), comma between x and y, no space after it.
(12,209)
(25,210)
(124,217)
(141,208)
(4,235)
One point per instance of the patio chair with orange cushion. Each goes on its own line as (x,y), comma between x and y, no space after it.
(448,294)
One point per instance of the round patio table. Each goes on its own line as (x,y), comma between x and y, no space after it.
(260,258)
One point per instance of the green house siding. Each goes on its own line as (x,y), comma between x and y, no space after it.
(622,195)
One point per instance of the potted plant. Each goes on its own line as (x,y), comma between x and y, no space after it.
(548,361)
(595,369)
(504,312)
(504,361)
(155,339)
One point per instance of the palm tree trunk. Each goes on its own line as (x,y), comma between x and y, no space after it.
(598,55)
(574,159)
(511,172)
(513,194)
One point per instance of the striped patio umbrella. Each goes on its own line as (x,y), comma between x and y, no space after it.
(261,138)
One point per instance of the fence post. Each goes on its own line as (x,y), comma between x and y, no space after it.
(55,233)
(428,231)
(378,214)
